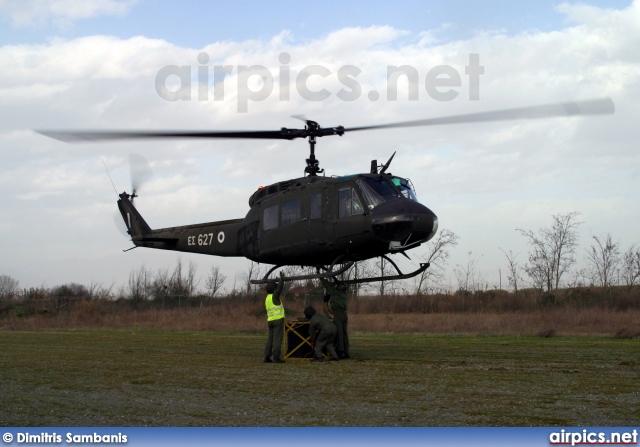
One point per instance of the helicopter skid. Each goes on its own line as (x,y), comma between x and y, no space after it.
(400,275)
(329,274)
(344,268)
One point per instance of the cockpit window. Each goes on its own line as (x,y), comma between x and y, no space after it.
(377,190)
(405,186)
(382,186)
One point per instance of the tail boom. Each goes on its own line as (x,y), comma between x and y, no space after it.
(212,238)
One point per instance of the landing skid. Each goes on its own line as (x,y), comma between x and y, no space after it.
(334,273)
(328,274)
(400,275)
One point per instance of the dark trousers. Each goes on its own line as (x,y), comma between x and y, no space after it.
(340,319)
(326,338)
(274,342)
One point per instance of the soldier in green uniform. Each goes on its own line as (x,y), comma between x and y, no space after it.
(335,300)
(275,321)
(322,333)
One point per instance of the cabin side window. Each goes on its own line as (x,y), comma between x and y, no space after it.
(270,218)
(315,206)
(291,212)
(349,203)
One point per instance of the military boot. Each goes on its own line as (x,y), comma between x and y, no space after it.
(277,359)
(317,359)
(267,359)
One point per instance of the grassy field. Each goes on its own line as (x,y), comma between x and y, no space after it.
(154,378)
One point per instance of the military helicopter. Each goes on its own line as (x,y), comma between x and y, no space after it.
(315,221)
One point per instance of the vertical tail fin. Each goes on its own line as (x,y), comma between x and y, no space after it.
(136,226)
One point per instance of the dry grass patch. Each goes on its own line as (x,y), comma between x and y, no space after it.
(249,317)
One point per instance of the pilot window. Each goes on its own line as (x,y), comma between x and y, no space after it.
(405,187)
(383,187)
(376,191)
(291,212)
(315,206)
(348,202)
(270,218)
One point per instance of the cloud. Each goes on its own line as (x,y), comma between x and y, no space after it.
(60,12)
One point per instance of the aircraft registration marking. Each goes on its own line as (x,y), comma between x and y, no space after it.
(201,239)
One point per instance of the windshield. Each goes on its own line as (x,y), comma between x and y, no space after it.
(405,186)
(377,190)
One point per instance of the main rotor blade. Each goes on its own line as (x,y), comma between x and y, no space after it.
(588,107)
(600,106)
(78,136)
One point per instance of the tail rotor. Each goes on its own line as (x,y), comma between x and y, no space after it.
(140,171)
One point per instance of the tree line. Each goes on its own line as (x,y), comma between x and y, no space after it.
(549,274)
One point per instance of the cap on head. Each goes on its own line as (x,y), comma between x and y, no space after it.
(309,312)
(342,287)
(270,287)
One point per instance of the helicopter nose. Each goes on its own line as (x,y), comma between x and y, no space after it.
(434,228)
(404,221)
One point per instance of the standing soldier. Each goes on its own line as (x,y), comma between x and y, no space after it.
(275,321)
(322,333)
(335,299)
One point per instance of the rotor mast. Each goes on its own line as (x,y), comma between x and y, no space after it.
(313,164)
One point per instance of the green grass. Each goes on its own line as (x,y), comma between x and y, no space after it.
(134,378)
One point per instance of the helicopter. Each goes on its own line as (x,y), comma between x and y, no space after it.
(320,221)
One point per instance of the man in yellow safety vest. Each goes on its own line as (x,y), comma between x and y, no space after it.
(275,321)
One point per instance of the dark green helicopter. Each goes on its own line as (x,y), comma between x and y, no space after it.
(316,221)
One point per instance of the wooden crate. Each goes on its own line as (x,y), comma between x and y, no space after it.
(296,341)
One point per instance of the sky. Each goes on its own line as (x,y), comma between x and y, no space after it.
(109,64)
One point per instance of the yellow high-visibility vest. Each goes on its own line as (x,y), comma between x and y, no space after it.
(273,312)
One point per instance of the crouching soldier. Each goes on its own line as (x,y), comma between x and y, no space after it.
(322,333)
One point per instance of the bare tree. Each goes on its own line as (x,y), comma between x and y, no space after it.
(180,285)
(468,279)
(253,271)
(552,250)
(214,281)
(139,284)
(176,282)
(603,257)
(631,266)
(160,285)
(437,256)
(384,268)
(513,272)
(99,291)
(191,281)
(578,278)
(8,286)
(362,269)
